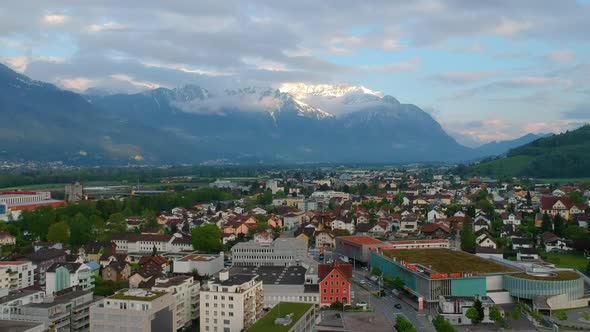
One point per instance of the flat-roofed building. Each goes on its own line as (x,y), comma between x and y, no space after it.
(203,264)
(67,310)
(283,284)
(16,275)
(10,302)
(288,317)
(281,252)
(358,247)
(186,295)
(231,303)
(134,310)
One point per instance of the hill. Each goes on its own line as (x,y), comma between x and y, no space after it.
(566,155)
(497,148)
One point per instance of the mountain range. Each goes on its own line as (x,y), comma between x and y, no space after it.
(296,123)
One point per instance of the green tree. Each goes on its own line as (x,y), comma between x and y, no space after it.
(576,198)
(443,325)
(265,198)
(80,230)
(468,237)
(547,225)
(262,226)
(404,325)
(59,232)
(473,315)
(558,224)
(496,314)
(207,238)
(479,308)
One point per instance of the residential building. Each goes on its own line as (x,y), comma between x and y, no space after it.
(134,310)
(6,239)
(186,297)
(139,244)
(325,239)
(231,303)
(64,275)
(203,264)
(554,243)
(67,310)
(10,302)
(16,275)
(281,252)
(334,283)
(512,218)
(42,260)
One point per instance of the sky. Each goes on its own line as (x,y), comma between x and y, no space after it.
(486,70)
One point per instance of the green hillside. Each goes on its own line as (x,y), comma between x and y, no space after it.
(557,156)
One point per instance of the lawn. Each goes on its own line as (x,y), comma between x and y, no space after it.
(561,275)
(574,260)
(267,323)
(448,261)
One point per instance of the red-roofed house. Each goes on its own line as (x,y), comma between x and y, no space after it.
(334,283)
(436,231)
(554,205)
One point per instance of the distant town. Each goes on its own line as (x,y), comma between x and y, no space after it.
(293,249)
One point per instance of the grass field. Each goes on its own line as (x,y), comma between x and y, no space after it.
(266,323)
(448,261)
(574,260)
(559,276)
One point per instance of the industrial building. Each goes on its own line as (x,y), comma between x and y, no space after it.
(281,252)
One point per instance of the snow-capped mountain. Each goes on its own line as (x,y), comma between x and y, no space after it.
(191,124)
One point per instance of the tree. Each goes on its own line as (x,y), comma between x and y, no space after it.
(576,198)
(588,269)
(262,226)
(529,199)
(154,251)
(558,224)
(472,315)
(80,231)
(443,325)
(59,232)
(478,307)
(496,314)
(207,238)
(265,198)
(340,232)
(547,225)
(404,325)
(468,237)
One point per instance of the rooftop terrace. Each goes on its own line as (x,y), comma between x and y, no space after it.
(267,323)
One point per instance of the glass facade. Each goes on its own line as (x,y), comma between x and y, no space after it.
(529,289)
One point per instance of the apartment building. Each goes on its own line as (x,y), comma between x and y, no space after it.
(16,275)
(11,301)
(67,310)
(134,310)
(281,252)
(231,303)
(139,244)
(64,275)
(186,296)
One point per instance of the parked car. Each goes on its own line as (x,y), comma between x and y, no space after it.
(397,306)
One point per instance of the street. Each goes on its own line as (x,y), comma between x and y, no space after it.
(386,303)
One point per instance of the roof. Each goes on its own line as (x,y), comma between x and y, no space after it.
(168,282)
(447,261)
(72,267)
(155,259)
(548,202)
(488,250)
(360,239)
(325,269)
(274,275)
(431,228)
(521,240)
(267,323)
(93,265)
(132,237)
(46,254)
(19,326)
(236,279)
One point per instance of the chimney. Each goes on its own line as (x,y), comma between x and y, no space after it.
(223,275)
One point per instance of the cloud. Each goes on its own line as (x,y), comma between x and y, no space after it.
(510,27)
(19,63)
(462,77)
(136,83)
(78,83)
(525,82)
(563,56)
(55,19)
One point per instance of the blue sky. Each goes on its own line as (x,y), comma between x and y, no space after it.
(486,70)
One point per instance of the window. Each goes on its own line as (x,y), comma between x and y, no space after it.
(226,322)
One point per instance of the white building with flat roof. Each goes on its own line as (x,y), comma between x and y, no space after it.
(231,303)
(281,252)
(16,275)
(186,296)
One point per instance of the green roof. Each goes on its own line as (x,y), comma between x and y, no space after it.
(447,261)
(554,276)
(123,295)
(267,323)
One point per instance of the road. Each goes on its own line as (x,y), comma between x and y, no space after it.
(380,304)
(386,303)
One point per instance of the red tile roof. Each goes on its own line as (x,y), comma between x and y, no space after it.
(361,239)
(344,268)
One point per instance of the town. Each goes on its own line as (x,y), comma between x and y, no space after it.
(298,249)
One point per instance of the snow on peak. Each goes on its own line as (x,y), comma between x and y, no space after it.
(303,91)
